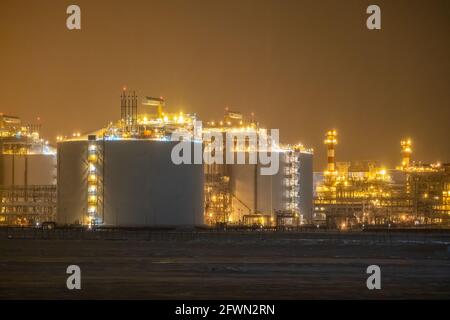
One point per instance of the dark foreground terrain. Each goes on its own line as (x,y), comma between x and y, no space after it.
(212,265)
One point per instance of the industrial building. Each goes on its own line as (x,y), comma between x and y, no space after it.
(238,194)
(361,193)
(122,175)
(27,174)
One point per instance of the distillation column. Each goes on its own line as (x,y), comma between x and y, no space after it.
(406,145)
(331,142)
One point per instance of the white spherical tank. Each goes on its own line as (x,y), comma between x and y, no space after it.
(127,183)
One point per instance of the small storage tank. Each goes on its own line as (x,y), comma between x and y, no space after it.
(127,183)
(27,169)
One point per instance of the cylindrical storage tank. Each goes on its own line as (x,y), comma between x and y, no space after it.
(254,192)
(137,184)
(289,188)
(27,169)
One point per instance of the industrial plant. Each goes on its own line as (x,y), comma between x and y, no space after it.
(27,174)
(122,175)
(362,193)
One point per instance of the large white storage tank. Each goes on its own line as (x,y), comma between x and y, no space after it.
(138,184)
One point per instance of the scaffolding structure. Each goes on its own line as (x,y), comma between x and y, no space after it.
(291,179)
(27,205)
(217,189)
(218,197)
(95,181)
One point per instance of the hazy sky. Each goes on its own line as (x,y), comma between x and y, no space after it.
(301,66)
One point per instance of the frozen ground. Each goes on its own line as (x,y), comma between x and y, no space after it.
(147,265)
